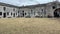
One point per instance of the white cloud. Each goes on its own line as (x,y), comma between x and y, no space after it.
(25,2)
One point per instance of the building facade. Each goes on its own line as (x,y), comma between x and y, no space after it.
(51,9)
(42,10)
(8,11)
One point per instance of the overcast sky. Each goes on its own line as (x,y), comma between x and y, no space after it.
(25,2)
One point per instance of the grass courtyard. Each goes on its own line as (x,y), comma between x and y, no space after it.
(30,26)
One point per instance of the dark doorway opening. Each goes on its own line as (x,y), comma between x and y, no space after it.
(0,13)
(57,13)
(14,15)
(4,15)
(22,13)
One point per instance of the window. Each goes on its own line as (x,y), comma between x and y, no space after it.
(41,9)
(13,9)
(45,12)
(7,13)
(11,13)
(25,13)
(0,13)
(38,12)
(18,11)
(34,12)
(31,11)
(53,7)
(4,8)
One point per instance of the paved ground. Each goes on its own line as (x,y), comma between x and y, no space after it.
(30,26)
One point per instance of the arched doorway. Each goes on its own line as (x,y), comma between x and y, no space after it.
(4,15)
(57,13)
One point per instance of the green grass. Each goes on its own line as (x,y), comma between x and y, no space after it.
(30,26)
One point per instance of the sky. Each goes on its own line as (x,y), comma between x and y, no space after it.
(25,2)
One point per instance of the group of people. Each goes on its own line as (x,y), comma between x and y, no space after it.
(57,14)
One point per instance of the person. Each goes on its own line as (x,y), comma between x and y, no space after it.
(56,14)
(48,16)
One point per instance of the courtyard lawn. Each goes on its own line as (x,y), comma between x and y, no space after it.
(29,26)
